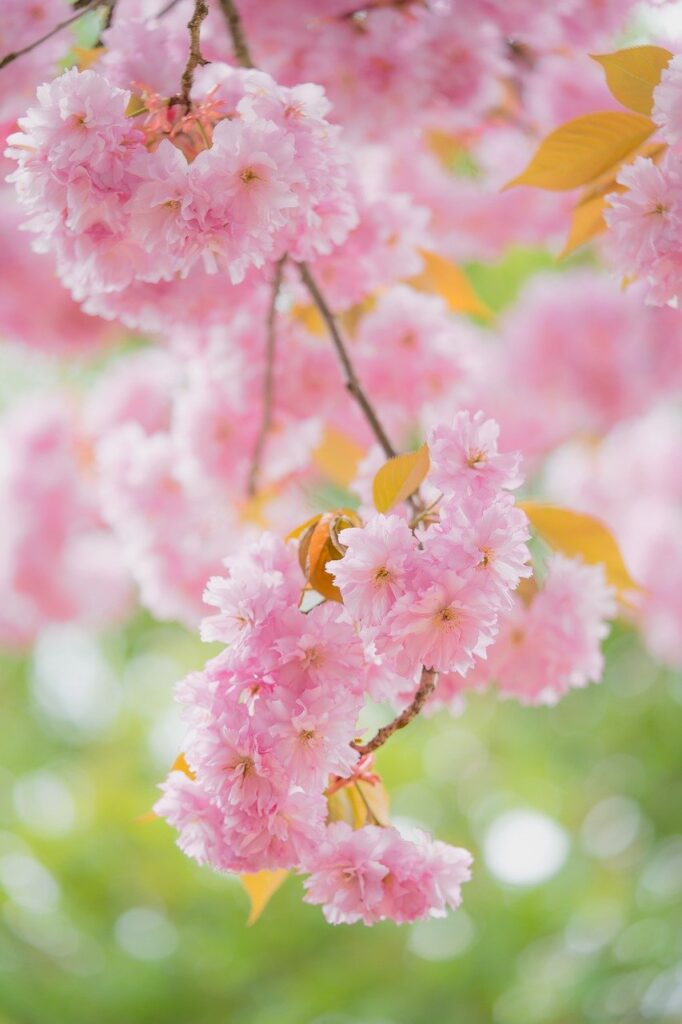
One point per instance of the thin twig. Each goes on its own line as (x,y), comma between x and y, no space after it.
(239,44)
(426,688)
(195,59)
(353,385)
(82,9)
(166,8)
(268,380)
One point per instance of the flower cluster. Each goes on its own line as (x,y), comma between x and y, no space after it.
(58,561)
(121,199)
(550,640)
(432,596)
(645,217)
(274,717)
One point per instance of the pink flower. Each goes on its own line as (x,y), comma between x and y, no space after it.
(465,459)
(667,112)
(441,627)
(375,568)
(348,873)
(371,874)
(190,810)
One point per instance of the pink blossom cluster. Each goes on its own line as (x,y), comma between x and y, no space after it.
(21,24)
(58,561)
(645,217)
(574,356)
(646,518)
(118,204)
(270,719)
(550,640)
(433,597)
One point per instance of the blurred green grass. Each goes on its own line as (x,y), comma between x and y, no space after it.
(109,922)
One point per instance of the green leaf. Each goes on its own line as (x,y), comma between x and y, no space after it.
(633,74)
(399,478)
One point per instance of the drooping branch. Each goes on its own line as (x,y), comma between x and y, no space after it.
(195,58)
(268,380)
(353,385)
(82,8)
(234,24)
(427,685)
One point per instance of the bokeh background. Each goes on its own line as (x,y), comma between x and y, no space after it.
(573,813)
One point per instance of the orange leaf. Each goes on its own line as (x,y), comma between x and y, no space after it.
(399,478)
(633,74)
(261,887)
(338,457)
(583,149)
(447,280)
(576,533)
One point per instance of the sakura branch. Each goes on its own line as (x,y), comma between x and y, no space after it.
(426,687)
(234,24)
(82,9)
(268,380)
(353,385)
(195,58)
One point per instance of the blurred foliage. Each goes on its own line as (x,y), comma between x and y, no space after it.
(103,919)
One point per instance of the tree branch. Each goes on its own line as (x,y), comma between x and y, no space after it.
(268,380)
(195,59)
(426,687)
(83,8)
(234,24)
(353,385)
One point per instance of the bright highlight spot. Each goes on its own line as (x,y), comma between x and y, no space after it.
(524,847)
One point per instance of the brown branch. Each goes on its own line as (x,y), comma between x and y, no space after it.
(234,24)
(195,59)
(426,688)
(82,9)
(353,385)
(268,380)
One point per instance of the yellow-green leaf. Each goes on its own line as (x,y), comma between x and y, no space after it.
(633,74)
(576,533)
(447,280)
(399,478)
(261,887)
(338,457)
(136,105)
(360,802)
(583,149)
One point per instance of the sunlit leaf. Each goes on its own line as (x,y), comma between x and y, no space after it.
(135,106)
(375,800)
(309,317)
(399,478)
(319,544)
(633,74)
(180,765)
(576,533)
(261,887)
(338,457)
(86,56)
(447,280)
(359,803)
(583,149)
(298,531)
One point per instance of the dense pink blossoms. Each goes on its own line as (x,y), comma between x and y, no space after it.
(372,138)
(274,716)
